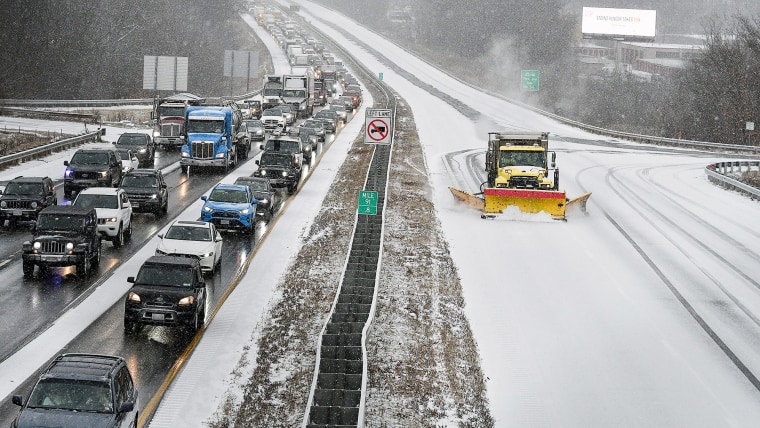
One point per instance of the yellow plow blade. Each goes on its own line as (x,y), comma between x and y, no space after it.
(468,198)
(529,201)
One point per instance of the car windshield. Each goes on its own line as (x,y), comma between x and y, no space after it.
(131,140)
(273,112)
(514,158)
(74,395)
(312,124)
(283,146)
(253,124)
(254,184)
(228,195)
(16,188)
(87,200)
(60,222)
(188,233)
(165,275)
(274,159)
(90,158)
(139,181)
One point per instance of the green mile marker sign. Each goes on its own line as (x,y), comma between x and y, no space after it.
(529,80)
(367,202)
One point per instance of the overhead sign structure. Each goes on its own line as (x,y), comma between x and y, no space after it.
(368,202)
(529,80)
(241,64)
(378,126)
(167,73)
(618,24)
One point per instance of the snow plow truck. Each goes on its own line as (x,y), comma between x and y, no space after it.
(521,172)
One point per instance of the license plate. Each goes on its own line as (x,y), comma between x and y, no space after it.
(134,205)
(225,222)
(17,212)
(49,258)
(157,317)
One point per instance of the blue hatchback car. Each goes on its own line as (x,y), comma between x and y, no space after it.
(230,206)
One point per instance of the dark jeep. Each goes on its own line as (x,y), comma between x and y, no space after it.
(24,198)
(280,168)
(146,190)
(140,144)
(167,290)
(95,167)
(81,390)
(64,235)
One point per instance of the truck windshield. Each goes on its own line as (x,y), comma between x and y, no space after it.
(272,92)
(515,158)
(85,158)
(293,93)
(165,275)
(205,126)
(167,111)
(97,201)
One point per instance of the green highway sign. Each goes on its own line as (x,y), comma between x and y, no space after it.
(529,80)
(367,202)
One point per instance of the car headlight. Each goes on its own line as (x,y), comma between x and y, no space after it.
(160,253)
(207,209)
(154,196)
(259,132)
(209,254)
(103,174)
(263,172)
(133,297)
(3,204)
(263,201)
(187,301)
(111,220)
(68,173)
(69,246)
(245,211)
(284,173)
(143,150)
(37,245)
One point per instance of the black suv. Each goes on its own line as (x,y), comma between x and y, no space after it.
(93,167)
(280,168)
(168,290)
(263,191)
(24,197)
(140,144)
(64,235)
(81,390)
(146,190)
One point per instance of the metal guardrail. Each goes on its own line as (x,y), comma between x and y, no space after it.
(16,158)
(75,103)
(724,173)
(50,115)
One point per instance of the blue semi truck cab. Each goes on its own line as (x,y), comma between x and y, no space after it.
(214,138)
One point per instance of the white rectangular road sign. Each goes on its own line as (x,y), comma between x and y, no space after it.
(378,126)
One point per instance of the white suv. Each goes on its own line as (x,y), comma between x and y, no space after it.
(113,210)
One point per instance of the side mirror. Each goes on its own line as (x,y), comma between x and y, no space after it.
(114,143)
(200,285)
(126,406)
(163,185)
(131,279)
(66,163)
(160,236)
(203,198)
(17,400)
(257,162)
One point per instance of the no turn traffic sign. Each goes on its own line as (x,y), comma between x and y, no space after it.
(378,127)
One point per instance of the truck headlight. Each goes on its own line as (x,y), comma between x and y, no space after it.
(3,204)
(37,245)
(187,301)
(220,155)
(185,154)
(133,297)
(143,150)
(263,172)
(154,196)
(156,134)
(111,220)
(103,174)
(284,173)
(69,246)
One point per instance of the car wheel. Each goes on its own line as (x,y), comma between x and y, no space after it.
(83,268)
(130,327)
(128,232)
(28,268)
(95,261)
(118,240)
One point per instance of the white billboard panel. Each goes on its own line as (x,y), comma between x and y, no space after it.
(165,73)
(627,24)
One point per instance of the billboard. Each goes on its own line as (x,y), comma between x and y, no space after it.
(620,24)
(165,73)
